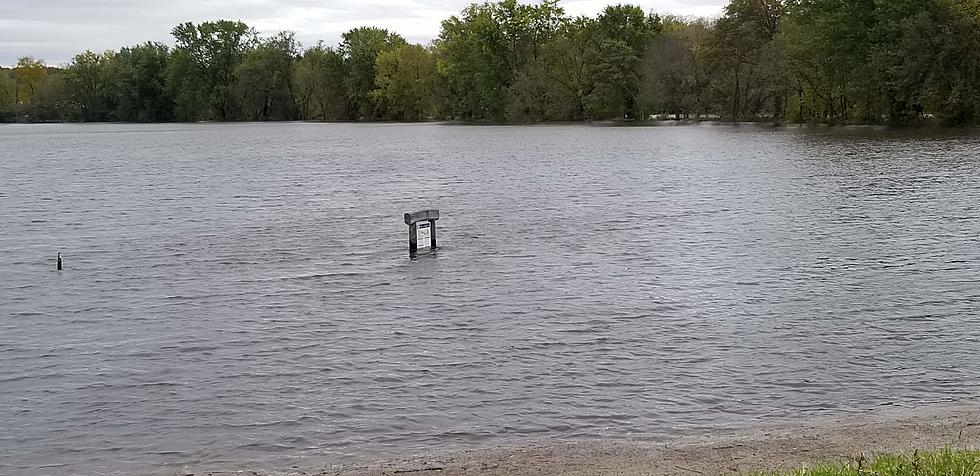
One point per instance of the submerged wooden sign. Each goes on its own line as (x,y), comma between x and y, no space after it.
(421,227)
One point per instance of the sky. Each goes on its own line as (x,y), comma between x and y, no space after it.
(56,30)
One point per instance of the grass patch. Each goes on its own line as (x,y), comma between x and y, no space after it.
(947,462)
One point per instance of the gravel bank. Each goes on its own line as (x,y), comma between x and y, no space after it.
(765,447)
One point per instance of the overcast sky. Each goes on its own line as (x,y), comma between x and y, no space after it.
(55,30)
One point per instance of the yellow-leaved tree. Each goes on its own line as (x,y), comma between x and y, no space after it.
(30,73)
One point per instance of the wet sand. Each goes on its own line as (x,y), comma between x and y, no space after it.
(766,447)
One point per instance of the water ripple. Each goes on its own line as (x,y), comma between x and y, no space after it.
(241,294)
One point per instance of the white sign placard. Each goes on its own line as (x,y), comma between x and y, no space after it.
(424,234)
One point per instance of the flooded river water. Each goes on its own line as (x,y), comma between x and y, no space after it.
(239,295)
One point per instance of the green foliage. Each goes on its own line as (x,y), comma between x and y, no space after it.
(202,76)
(676,71)
(623,33)
(8,95)
(901,61)
(926,54)
(319,84)
(139,77)
(832,61)
(952,89)
(569,61)
(39,93)
(360,49)
(534,96)
(407,83)
(473,57)
(30,74)
(89,81)
(52,100)
(265,79)
(942,463)
(482,51)
(628,25)
(829,45)
(748,60)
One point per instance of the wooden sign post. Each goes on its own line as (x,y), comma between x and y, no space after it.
(421,225)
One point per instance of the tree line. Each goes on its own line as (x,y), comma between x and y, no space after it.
(828,61)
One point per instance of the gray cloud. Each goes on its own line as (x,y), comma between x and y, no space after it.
(55,30)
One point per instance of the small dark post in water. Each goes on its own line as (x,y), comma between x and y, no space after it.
(414,222)
(59,262)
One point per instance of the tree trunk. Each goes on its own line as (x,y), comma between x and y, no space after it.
(735,97)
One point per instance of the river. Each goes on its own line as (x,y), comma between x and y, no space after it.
(242,295)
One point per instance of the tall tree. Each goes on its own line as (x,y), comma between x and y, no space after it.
(624,32)
(471,56)
(320,77)
(139,78)
(52,100)
(571,61)
(747,58)
(88,78)
(202,73)
(482,51)
(266,79)
(360,49)
(8,96)
(900,61)
(829,44)
(952,89)
(31,73)
(407,83)
(675,70)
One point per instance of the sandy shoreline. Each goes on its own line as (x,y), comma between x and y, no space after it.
(766,447)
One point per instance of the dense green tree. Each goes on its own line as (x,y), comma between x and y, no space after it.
(52,100)
(952,87)
(570,60)
(407,83)
(139,77)
(896,22)
(186,86)
(265,78)
(624,32)
(924,52)
(319,84)
(360,49)
(828,43)
(868,60)
(93,93)
(525,28)
(534,96)
(482,51)
(529,96)
(629,25)
(617,79)
(201,76)
(470,50)
(676,71)
(8,96)
(838,61)
(747,59)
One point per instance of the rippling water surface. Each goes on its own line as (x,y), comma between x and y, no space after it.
(239,295)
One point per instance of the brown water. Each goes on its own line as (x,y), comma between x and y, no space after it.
(242,295)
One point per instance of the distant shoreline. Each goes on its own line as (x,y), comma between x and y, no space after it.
(650,123)
(766,447)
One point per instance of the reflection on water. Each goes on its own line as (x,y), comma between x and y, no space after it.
(242,294)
